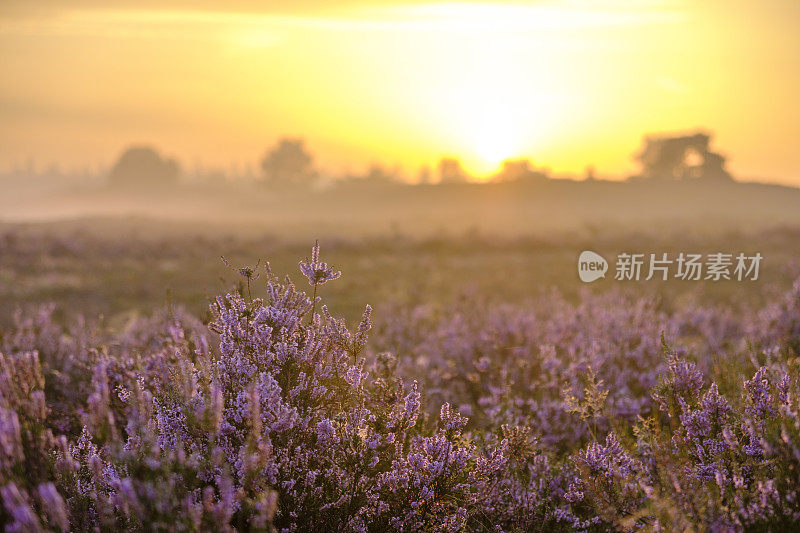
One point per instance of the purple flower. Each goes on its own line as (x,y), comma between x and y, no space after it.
(316,271)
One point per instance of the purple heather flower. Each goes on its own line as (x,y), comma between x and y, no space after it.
(318,272)
(758,390)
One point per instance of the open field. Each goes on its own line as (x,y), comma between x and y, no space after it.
(123,267)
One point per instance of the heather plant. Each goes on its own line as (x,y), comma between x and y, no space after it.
(516,365)
(612,413)
(281,427)
(723,462)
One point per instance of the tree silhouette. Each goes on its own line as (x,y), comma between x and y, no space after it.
(288,163)
(451,171)
(519,170)
(681,157)
(143,165)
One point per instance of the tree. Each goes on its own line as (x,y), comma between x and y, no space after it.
(143,165)
(451,171)
(681,157)
(519,170)
(378,174)
(424,176)
(289,163)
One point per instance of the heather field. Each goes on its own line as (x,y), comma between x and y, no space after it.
(455,382)
(378,266)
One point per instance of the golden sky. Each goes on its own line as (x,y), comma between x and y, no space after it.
(566,83)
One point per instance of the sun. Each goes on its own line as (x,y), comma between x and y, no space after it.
(493,134)
(493,111)
(495,137)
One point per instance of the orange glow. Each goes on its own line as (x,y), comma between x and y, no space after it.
(566,83)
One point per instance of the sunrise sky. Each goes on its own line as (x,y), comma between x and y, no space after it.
(566,83)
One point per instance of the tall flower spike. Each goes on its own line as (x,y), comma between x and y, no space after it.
(317,272)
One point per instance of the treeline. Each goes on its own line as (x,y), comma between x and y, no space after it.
(290,164)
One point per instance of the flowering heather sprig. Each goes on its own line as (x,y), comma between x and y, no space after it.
(611,478)
(760,400)
(682,385)
(318,272)
(703,436)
